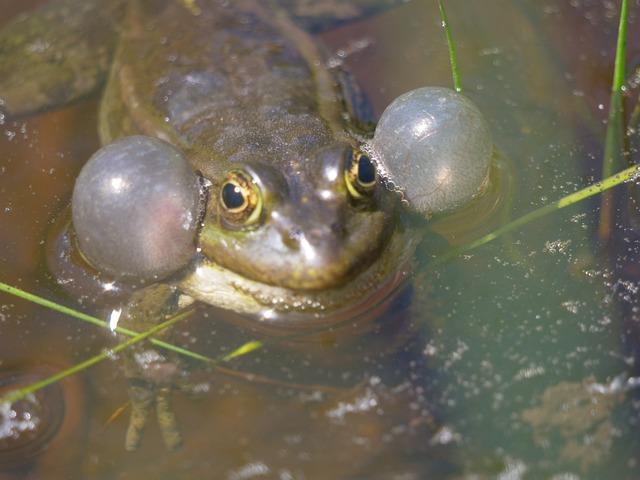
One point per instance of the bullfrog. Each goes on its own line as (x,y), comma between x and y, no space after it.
(234,160)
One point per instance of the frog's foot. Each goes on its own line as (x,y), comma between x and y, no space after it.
(152,380)
(144,396)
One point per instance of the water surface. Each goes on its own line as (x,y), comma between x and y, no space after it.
(517,357)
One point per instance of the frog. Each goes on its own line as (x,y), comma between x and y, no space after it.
(289,223)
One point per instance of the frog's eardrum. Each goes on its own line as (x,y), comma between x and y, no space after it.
(136,207)
(434,144)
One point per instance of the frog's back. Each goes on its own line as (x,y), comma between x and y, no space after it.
(228,84)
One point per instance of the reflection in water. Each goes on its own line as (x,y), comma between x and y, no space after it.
(500,353)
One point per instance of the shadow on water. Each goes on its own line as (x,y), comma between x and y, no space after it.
(514,358)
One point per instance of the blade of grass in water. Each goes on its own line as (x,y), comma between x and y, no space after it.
(614,140)
(22,393)
(249,346)
(453,57)
(571,199)
(95,321)
(212,362)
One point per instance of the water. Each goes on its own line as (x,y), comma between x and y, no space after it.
(524,349)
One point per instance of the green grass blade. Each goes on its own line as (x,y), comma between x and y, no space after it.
(621,47)
(614,140)
(22,393)
(453,57)
(571,199)
(95,321)
(243,350)
(51,305)
(238,352)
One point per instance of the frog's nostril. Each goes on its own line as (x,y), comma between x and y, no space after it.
(291,238)
(337,227)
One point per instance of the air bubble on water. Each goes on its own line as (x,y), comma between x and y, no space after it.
(556,246)
(445,436)
(430,350)
(285,475)
(490,51)
(620,384)
(110,354)
(10,134)
(572,306)
(529,372)
(147,358)
(39,45)
(514,470)
(200,388)
(456,355)
(352,48)
(604,321)
(13,424)
(363,403)
(565,476)
(250,470)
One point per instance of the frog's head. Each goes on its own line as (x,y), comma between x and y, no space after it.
(312,226)
(312,231)
(314,234)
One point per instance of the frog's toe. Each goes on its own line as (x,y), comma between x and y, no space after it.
(142,398)
(167,419)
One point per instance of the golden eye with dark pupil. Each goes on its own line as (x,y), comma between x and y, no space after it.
(233,198)
(240,200)
(361,176)
(366,171)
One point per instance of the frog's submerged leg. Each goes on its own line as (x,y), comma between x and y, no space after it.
(56,54)
(152,375)
(142,398)
(317,16)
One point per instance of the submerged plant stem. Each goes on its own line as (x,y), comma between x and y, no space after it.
(22,393)
(614,140)
(453,57)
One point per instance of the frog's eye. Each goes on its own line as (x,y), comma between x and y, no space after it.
(240,199)
(360,174)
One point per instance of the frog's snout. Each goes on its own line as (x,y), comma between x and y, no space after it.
(304,226)
(324,245)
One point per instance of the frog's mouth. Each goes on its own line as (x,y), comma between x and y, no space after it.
(279,306)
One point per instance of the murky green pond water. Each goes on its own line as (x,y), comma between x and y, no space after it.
(517,360)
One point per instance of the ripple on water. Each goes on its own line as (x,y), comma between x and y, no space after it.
(27,426)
